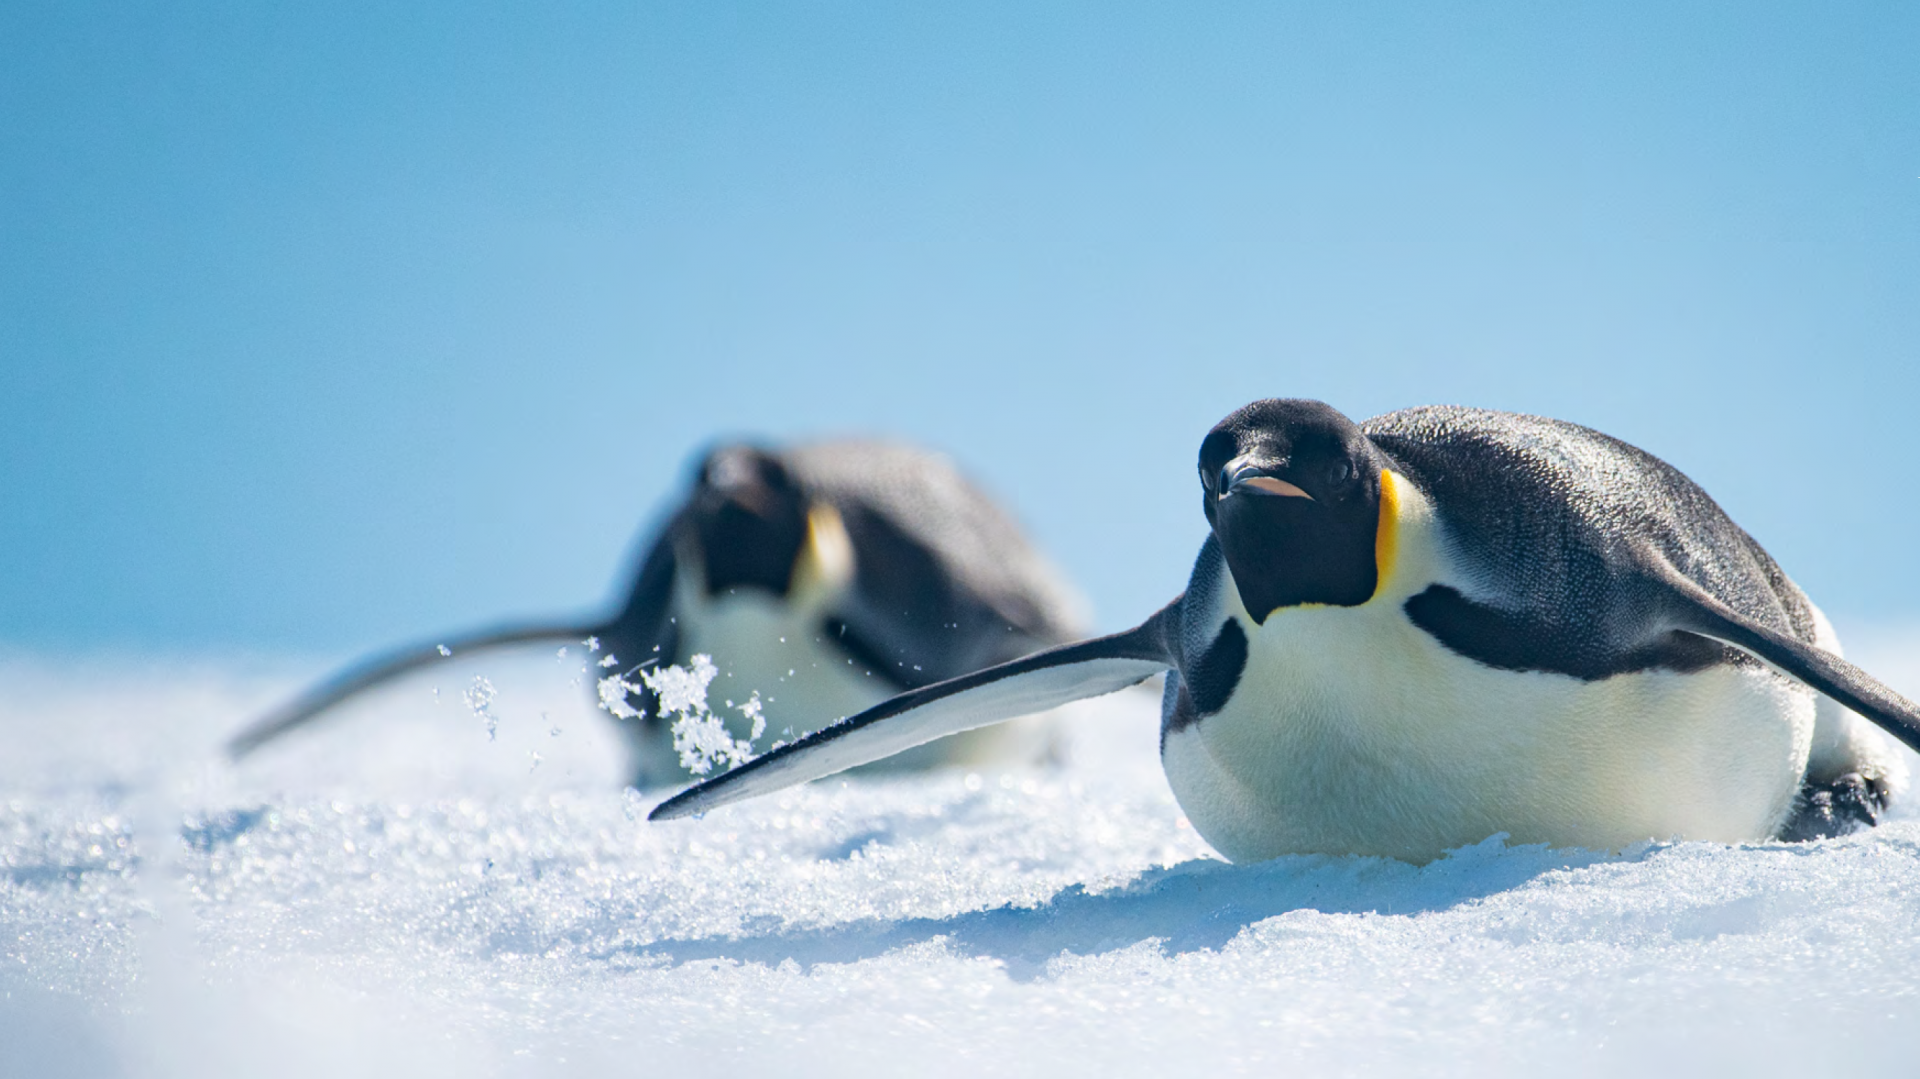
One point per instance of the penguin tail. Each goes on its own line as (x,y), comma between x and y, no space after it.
(384,668)
(1024,686)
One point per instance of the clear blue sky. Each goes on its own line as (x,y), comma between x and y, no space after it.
(326,326)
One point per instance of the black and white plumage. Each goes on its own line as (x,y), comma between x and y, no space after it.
(827,577)
(1406,635)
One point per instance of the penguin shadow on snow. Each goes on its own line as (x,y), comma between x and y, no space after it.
(1194,906)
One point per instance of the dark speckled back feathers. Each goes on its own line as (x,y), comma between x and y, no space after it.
(1540,514)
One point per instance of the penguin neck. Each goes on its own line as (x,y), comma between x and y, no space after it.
(822,572)
(778,645)
(1407,545)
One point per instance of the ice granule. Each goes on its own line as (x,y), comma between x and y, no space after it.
(754,712)
(682,689)
(479,697)
(700,737)
(614,690)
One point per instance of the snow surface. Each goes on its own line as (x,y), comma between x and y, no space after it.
(406,892)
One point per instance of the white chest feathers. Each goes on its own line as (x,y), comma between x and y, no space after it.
(783,649)
(1354,731)
(761,644)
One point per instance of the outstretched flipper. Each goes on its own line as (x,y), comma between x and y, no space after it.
(1024,686)
(1699,612)
(645,621)
(382,669)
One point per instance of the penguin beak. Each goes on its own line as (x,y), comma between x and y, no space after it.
(1269,485)
(1251,480)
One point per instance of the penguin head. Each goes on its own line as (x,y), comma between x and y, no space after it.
(1292,490)
(749,517)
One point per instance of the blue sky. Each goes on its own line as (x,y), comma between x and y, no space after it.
(327,328)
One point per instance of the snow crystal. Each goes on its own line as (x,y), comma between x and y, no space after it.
(479,696)
(614,690)
(755,714)
(700,737)
(682,689)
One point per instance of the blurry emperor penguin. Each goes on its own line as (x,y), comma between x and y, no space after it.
(1405,635)
(826,577)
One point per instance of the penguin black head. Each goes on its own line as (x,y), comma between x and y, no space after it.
(1292,490)
(749,518)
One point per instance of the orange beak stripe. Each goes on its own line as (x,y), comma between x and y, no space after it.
(1274,487)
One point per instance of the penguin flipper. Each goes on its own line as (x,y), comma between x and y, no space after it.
(1702,613)
(381,669)
(646,619)
(1021,687)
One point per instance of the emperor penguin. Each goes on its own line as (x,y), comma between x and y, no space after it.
(827,577)
(1405,635)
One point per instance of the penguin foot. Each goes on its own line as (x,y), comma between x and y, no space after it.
(1846,804)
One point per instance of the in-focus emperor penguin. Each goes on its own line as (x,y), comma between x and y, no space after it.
(827,577)
(1406,635)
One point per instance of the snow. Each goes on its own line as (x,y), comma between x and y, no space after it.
(700,737)
(399,894)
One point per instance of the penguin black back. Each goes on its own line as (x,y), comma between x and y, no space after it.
(1515,486)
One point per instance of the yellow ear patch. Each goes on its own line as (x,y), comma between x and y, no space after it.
(1386,536)
(825,562)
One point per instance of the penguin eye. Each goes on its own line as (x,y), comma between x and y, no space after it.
(1338,472)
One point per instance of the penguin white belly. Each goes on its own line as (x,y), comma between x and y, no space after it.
(762,644)
(1353,731)
(805,683)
